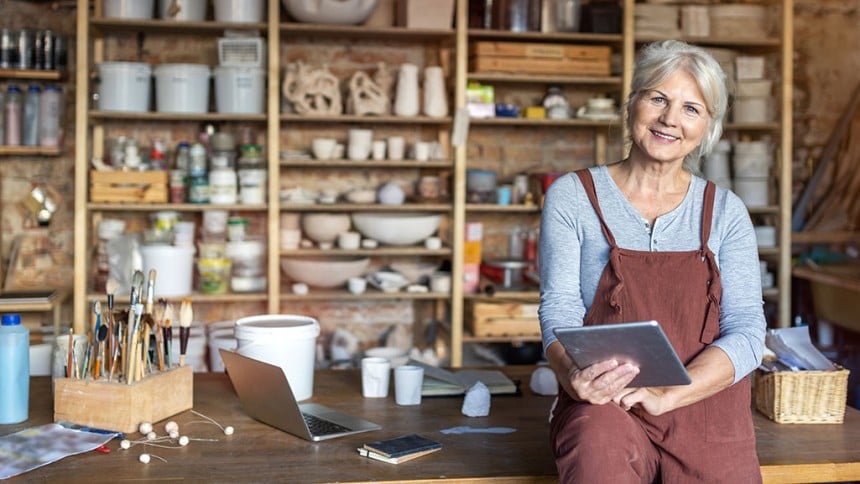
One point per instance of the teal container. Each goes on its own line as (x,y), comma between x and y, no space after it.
(14,370)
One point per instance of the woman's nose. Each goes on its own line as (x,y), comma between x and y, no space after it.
(669,115)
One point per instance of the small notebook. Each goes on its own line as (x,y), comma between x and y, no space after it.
(399,449)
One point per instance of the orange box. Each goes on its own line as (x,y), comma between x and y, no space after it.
(472,252)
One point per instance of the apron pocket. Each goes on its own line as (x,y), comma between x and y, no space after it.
(727,414)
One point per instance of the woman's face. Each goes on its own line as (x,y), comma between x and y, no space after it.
(670,121)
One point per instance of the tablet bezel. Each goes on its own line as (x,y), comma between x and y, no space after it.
(641,343)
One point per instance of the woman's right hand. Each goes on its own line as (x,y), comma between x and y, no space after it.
(600,382)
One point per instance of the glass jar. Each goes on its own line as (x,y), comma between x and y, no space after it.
(519,15)
(567,15)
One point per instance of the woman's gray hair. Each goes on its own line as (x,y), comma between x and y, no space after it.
(656,62)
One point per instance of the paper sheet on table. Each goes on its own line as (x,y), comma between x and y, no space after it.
(34,447)
(794,348)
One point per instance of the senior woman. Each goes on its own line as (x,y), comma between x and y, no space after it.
(645,238)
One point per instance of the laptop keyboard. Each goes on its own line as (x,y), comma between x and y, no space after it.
(318,426)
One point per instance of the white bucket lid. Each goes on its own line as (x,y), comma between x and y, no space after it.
(124,66)
(183,69)
(239,70)
(277,325)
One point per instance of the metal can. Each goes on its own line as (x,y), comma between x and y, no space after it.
(61,55)
(47,50)
(8,49)
(26,39)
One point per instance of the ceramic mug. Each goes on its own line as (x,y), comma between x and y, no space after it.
(359,144)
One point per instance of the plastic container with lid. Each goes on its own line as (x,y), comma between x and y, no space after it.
(14,370)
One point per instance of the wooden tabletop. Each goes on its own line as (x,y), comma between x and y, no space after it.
(257,452)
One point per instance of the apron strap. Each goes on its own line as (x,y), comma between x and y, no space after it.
(708,213)
(588,183)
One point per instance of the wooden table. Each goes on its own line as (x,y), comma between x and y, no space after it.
(259,453)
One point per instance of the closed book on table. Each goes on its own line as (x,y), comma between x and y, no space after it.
(403,445)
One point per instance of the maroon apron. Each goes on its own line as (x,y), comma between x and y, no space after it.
(709,441)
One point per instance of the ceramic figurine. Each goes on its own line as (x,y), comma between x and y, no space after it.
(365,96)
(312,91)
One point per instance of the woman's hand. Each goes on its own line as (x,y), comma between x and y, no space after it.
(601,382)
(651,399)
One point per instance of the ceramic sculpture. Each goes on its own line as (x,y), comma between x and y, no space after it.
(311,91)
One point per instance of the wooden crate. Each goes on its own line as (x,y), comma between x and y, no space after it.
(491,319)
(120,407)
(540,58)
(128,186)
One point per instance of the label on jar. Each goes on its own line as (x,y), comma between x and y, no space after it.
(198,189)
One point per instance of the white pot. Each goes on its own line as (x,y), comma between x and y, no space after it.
(182,88)
(129,9)
(124,86)
(753,191)
(406,99)
(239,90)
(185,10)
(435,97)
(242,11)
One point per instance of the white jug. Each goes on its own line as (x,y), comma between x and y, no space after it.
(435,97)
(406,98)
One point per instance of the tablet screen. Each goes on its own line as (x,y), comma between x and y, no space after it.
(643,344)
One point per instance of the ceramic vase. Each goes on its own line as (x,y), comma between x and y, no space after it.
(406,97)
(435,97)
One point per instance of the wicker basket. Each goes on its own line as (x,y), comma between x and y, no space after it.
(812,397)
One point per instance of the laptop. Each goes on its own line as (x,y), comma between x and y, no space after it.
(266,396)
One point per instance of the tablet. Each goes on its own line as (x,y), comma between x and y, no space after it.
(643,344)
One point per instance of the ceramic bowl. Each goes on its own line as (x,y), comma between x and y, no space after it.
(415,270)
(347,12)
(396,228)
(324,227)
(325,273)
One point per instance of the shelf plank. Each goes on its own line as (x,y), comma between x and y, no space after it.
(824,237)
(371,294)
(156,116)
(500,77)
(115,25)
(177,207)
(767,209)
(298,29)
(503,296)
(355,118)
(29,151)
(573,122)
(751,126)
(478,34)
(313,163)
(383,251)
(468,338)
(768,251)
(233,297)
(494,208)
(36,74)
(745,42)
(365,207)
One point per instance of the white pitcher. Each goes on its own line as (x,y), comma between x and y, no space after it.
(406,98)
(435,97)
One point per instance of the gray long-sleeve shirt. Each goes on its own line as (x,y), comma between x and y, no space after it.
(574,252)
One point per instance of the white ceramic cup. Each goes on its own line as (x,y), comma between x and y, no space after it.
(323,148)
(375,375)
(422,151)
(408,380)
(396,148)
(356,285)
(359,144)
(349,240)
(440,282)
(433,243)
(378,150)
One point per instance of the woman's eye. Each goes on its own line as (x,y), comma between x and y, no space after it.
(658,100)
(691,110)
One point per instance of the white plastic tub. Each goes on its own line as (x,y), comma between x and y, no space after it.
(239,90)
(189,10)
(242,11)
(182,88)
(174,268)
(753,191)
(124,86)
(128,9)
(285,340)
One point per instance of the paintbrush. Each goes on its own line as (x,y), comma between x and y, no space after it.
(147,328)
(110,350)
(133,354)
(102,334)
(94,348)
(136,288)
(70,368)
(169,315)
(159,332)
(186,314)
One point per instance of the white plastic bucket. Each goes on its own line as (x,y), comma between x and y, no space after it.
(189,10)
(174,268)
(753,191)
(216,342)
(182,88)
(130,9)
(124,86)
(239,90)
(238,10)
(285,340)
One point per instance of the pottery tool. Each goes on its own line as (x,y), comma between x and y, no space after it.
(147,328)
(94,347)
(186,314)
(101,336)
(160,308)
(133,355)
(110,349)
(70,369)
(169,315)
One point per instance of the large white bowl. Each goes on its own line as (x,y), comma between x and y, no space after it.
(324,227)
(348,12)
(396,228)
(324,272)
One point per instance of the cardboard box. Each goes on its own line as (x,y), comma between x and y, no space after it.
(128,186)
(492,319)
(121,407)
(425,14)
